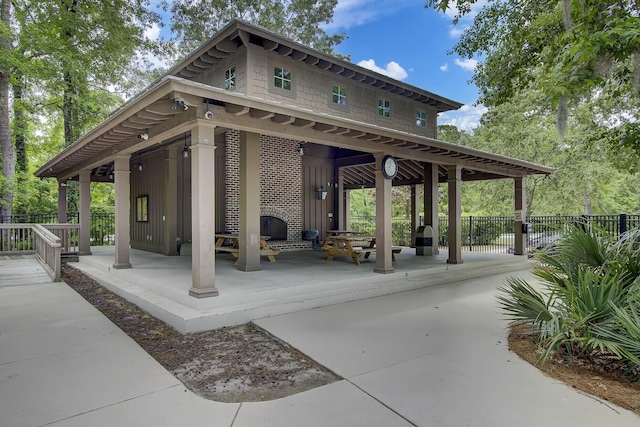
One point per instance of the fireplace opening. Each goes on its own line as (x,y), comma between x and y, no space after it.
(274,227)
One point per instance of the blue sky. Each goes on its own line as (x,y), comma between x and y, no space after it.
(410,43)
(402,39)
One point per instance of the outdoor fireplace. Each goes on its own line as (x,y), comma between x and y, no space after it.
(274,227)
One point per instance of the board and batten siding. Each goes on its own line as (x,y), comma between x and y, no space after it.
(149,181)
(318,172)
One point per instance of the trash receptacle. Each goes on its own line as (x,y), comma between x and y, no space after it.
(424,240)
(311,235)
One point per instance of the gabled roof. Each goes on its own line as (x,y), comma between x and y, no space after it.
(155,113)
(239,33)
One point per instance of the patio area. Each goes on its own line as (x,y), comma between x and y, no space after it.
(299,280)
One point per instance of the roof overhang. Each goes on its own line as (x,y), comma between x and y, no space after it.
(238,33)
(156,113)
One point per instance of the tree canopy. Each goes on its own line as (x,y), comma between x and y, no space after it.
(575,50)
(195,21)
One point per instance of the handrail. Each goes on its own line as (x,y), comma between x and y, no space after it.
(33,239)
(48,247)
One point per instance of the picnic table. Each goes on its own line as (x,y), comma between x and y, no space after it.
(234,247)
(347,244)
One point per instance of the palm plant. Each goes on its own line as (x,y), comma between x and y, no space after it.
(587,305)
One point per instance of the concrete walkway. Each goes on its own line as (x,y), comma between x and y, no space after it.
(430,357)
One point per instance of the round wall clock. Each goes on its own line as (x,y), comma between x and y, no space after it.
(389,167)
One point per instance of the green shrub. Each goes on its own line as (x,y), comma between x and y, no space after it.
(589,303)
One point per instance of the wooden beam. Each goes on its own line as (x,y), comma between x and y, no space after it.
(283,119)
(311,60)
(284,50)
(269,44)
(298,56)
(209,59)
(237,110)
(359,77)
(227,46)
(261,114)
(335,68)
(302,123)
(323,65)
(323,127)
(244,37)
(348,73)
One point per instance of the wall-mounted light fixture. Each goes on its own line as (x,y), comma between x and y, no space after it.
(140,166)
(185,150)
(301,149)
(321,193)
(180,104)
(208,114)
(333,184)
(144,136)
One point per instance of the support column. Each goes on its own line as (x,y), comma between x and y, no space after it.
(454,181)
(383,220)
(347,210)
(431,179)
(341,224)
(121,176)
(415,214)
(170,216)
(520,216)
(62,202)
(203,266)
(249,202)
(84,237)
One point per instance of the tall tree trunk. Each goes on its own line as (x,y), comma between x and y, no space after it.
(6,145)
(587,206)
(19,128)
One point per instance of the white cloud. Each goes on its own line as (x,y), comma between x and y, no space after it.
(444,67)
(466,64)
(392,69)
(466,118)
(456,31)
(453,10)
(352,13)
(153,32)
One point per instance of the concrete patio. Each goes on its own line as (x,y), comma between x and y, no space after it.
(435,356)
(299,280)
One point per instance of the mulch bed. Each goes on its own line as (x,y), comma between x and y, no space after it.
(609,386)
(236,364)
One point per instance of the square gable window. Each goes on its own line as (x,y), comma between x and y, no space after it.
(339,95)
(421,119)
(230,78)
(384,108)
(282,78)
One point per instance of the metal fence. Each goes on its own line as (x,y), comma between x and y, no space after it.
(495,234)
(480,233)
(101,225)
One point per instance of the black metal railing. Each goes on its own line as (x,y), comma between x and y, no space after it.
(495,234)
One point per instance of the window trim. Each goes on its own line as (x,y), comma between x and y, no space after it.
(385,108)
(282,78)
(226,79)
(423,119)
(334,95)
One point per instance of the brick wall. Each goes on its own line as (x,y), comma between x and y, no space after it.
(280,182)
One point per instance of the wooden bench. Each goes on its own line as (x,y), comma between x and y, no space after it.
(269,252)
(356,252)
(394,250)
